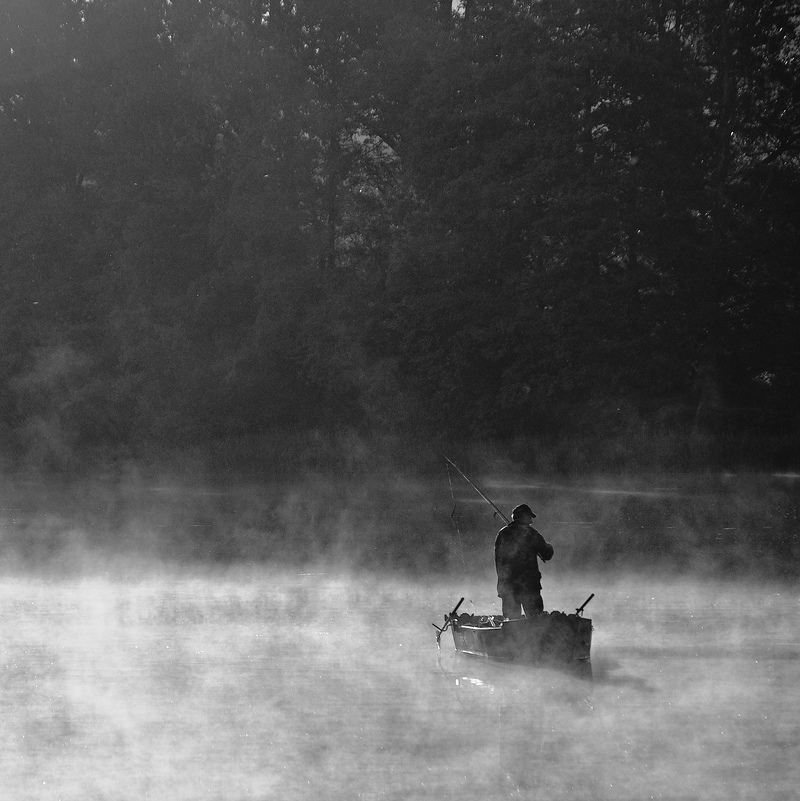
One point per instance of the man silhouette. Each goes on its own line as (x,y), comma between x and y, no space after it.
(517,550)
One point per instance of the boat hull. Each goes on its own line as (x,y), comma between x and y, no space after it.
(551,639)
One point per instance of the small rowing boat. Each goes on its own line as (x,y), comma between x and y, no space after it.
(551,639)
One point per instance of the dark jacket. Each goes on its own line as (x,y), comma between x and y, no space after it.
(515,556)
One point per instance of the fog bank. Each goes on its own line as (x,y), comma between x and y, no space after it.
(712,524)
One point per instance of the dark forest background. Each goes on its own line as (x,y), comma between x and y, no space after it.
(266,232)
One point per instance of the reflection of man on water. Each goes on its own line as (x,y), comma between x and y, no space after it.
(516,552)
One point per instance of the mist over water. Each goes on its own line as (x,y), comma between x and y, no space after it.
(260,684)
(182,639)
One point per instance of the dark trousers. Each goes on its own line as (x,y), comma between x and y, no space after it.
(513,605)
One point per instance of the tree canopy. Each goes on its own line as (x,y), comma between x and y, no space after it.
(518,218)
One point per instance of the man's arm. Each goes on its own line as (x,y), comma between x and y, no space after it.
(543,548)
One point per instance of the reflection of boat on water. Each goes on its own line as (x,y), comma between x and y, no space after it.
(552,639)
(507,685)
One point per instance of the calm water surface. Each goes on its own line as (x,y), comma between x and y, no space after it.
(273,686)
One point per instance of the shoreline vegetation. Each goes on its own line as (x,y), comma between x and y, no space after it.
(551,237)
(635,447)
(265,265)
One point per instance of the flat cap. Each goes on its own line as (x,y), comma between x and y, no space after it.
(523,508)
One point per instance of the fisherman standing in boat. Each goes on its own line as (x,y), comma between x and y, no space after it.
(517,549)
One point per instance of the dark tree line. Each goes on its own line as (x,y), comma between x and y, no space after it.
(222,218)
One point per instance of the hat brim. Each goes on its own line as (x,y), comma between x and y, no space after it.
(523,508)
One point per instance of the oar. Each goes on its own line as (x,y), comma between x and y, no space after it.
(579,610)
(448,620)
(453,613)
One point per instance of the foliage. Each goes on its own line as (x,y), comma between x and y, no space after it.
(228,218)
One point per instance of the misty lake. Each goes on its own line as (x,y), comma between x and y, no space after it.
(266,685)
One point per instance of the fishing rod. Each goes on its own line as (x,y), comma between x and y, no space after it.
(491,503)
